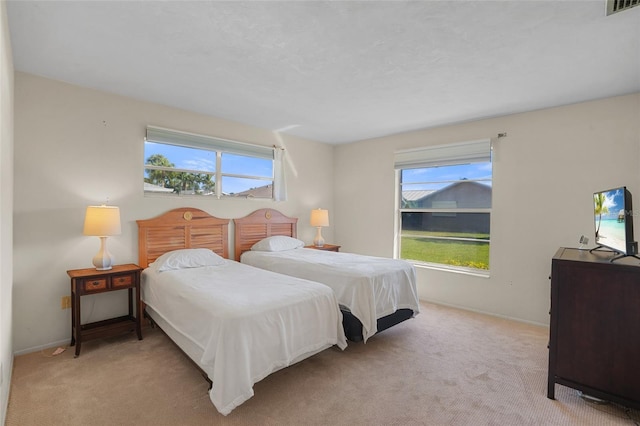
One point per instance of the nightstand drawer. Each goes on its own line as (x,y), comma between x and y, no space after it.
(96,284)
(122,281)
(326,247)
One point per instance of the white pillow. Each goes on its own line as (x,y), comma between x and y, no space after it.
(187,258)
(277,243)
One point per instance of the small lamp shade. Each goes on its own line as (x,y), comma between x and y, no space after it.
(319,218)
(102,221)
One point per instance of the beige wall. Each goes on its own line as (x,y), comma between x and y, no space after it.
(75,147)
(545,172)
(6,210)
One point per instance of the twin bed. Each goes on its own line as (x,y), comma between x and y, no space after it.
(374,293)
(238,323)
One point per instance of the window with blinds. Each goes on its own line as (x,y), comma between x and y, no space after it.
(186,164)
(444,205)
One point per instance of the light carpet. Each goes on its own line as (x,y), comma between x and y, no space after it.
(444,367)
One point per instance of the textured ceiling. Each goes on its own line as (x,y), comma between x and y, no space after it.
(335,71)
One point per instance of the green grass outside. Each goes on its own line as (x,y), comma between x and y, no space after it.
(469,254)
(476,235)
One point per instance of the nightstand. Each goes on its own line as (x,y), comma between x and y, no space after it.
(91,281)
(326,247)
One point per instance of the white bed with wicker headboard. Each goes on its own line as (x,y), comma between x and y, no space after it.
(236,322)
(374,293)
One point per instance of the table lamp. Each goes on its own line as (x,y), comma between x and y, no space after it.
(102,221)
(319,218)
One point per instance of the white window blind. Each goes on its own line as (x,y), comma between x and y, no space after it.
(192,140)
(444,155)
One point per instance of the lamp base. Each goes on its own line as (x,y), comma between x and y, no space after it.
(318,241)
(103,261)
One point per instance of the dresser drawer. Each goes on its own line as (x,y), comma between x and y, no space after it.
(122,281)
(95,284)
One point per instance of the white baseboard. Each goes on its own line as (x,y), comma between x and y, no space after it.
(493,314)
(64,343)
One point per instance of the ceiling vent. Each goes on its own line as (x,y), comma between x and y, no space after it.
(614,6)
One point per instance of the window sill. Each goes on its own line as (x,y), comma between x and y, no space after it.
(458,270)
(148,194)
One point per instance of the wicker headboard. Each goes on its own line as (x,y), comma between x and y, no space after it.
(178,229)
(261,224)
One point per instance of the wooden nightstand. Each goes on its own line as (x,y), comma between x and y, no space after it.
(91,281)
(326,247)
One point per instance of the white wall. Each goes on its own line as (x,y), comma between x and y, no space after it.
(75,147)
(6,210)
(545,173)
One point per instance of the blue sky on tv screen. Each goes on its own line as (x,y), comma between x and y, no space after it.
(614,202)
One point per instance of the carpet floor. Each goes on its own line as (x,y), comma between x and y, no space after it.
(444,367)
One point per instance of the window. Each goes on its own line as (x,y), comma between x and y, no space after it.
(444,205)
(185,164)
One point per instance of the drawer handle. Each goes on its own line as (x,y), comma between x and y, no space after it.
(95,283)
(121,280)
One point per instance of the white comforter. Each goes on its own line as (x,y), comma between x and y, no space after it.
(248,322)
(369,287)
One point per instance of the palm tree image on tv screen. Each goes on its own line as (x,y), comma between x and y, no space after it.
(613,220)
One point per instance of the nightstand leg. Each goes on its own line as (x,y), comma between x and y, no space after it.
(139,313)
(77,335)
(130,302)
(73,317)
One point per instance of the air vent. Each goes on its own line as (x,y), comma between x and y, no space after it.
(614,6)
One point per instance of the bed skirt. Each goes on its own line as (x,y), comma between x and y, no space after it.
(353,326)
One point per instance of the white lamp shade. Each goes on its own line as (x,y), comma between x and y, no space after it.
(319,217)
(102,221)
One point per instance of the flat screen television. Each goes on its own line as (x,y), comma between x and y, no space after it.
(613,220)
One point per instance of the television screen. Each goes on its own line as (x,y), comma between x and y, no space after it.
(613,220)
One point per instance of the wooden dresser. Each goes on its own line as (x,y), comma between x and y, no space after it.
(594,343)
